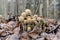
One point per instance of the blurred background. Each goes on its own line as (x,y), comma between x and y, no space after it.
(46,8)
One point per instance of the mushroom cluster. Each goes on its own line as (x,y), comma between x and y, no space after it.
(29,27)
(29,20)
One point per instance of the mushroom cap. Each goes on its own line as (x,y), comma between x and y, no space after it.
(29,20)
(28,11)
(35,16)
(29,28)
(24,14)
(33,19)
(25,21)
(39,18)
(21,18)
(36,22)
(29,17)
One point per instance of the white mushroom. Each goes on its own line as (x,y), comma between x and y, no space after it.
(29,20)
(28,11)
(35,16)
(21,18)
(25,21)
(24,14)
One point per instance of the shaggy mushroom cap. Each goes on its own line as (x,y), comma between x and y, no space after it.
(38,18)
(35,22)
(28,11)
(33,19)
(29,20)
(35,16)
(28,17)
(21,18)
(24,14)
